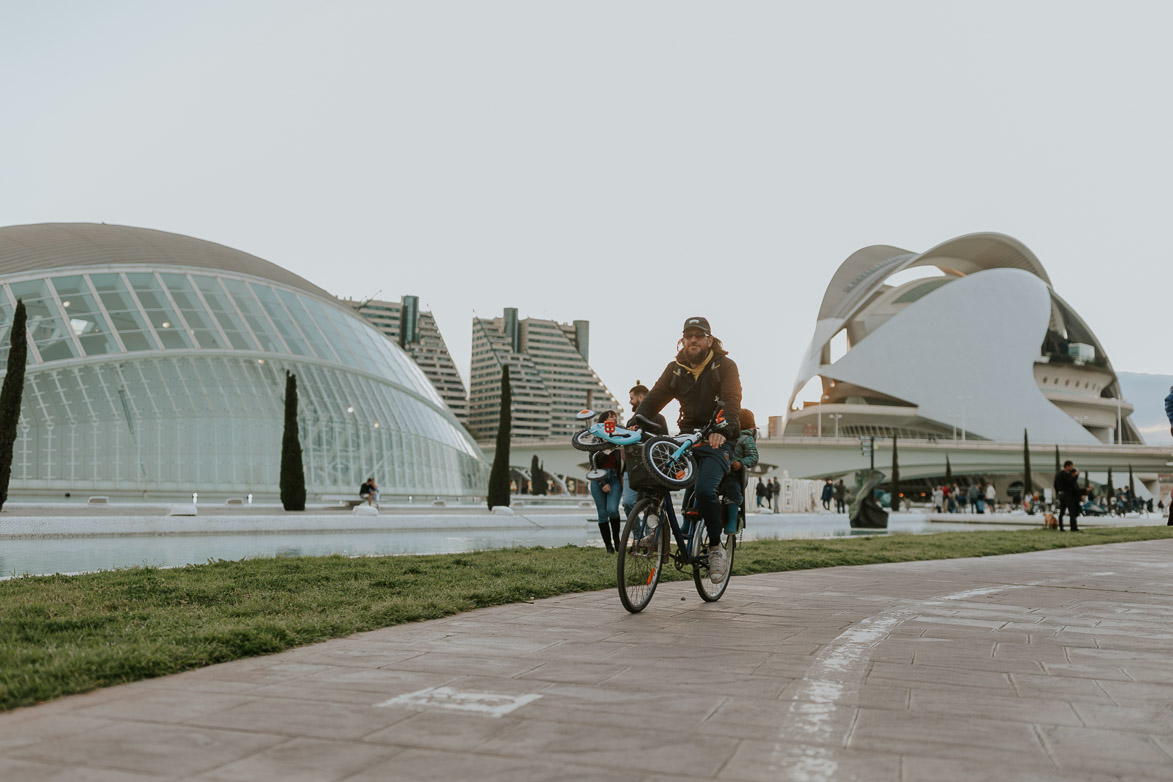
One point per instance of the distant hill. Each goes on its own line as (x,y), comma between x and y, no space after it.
(1147,393)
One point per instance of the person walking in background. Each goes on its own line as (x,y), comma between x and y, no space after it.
(991,496)
(1066,485)
(1169,415)
(607,489)
(761,492)
(828,493)
(840,497)
(775,490)
(974,495)
(1169,409)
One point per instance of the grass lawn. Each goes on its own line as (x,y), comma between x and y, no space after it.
(68,634)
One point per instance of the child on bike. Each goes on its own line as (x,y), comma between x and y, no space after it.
(745,456)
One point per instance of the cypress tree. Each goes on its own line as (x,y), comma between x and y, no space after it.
(292,472)
(539,485)
(10,395)
(1111,490)
(1058,464)
(1131,487)
(499,474)
(541,481)
(948,471)
(1028,487)
(894,503)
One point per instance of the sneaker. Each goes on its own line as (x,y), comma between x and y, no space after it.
(717,565)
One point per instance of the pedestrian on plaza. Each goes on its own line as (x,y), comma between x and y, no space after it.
(840,497)
(828,493)
(991,496)
(962,498)
(775,492)
(938,499)
(1066,486)
(761,492)
(635,395)
(369,491)
(1169,409)
(607,488)
(976,497)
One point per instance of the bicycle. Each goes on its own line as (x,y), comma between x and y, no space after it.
(656,466)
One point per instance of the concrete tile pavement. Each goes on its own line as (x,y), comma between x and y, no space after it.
(1045,666)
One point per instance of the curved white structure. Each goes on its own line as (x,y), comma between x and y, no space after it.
(979,347)
(157,363)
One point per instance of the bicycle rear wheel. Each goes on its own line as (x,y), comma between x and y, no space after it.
(640,564)
(698,547)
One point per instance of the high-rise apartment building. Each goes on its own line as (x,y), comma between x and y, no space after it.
(549,374)
(416,332)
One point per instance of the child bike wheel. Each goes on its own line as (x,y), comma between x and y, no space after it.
(709,591)
(638,567)
(585,440)
(666,471)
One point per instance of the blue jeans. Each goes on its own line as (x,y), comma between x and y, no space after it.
(711,466)
(630,496)
(607,503)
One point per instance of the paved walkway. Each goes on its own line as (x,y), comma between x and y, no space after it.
(1046,666)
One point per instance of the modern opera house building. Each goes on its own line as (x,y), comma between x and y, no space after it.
(967,340)
(157,364)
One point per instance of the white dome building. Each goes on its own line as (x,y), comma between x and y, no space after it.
(977,345)
(157,364)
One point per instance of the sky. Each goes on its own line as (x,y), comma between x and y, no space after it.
(629,163)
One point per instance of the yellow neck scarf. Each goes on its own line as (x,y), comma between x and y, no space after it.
(696,371)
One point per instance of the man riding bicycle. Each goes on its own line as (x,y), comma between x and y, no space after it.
(702,373)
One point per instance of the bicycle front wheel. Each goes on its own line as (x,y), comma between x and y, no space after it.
(641,561)
(666,471)
(698,548)
(586,440)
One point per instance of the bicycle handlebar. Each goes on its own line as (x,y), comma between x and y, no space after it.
(655,427)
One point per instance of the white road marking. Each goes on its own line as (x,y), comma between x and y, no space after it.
(840,670)
(484,703)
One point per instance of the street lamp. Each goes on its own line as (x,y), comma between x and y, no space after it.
(1118,414)
(824,396)
(962,399)
(835,417)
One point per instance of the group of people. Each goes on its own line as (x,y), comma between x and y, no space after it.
(701,373)
(767,492)
(836,492)
(978,497)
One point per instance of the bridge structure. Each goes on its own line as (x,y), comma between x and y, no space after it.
(841,457)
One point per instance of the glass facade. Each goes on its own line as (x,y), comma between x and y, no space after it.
(173,378)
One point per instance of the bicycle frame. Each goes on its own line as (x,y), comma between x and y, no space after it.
(683,540)
(612,433)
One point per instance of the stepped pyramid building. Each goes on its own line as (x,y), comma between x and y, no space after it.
(417,333)
(549,372)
